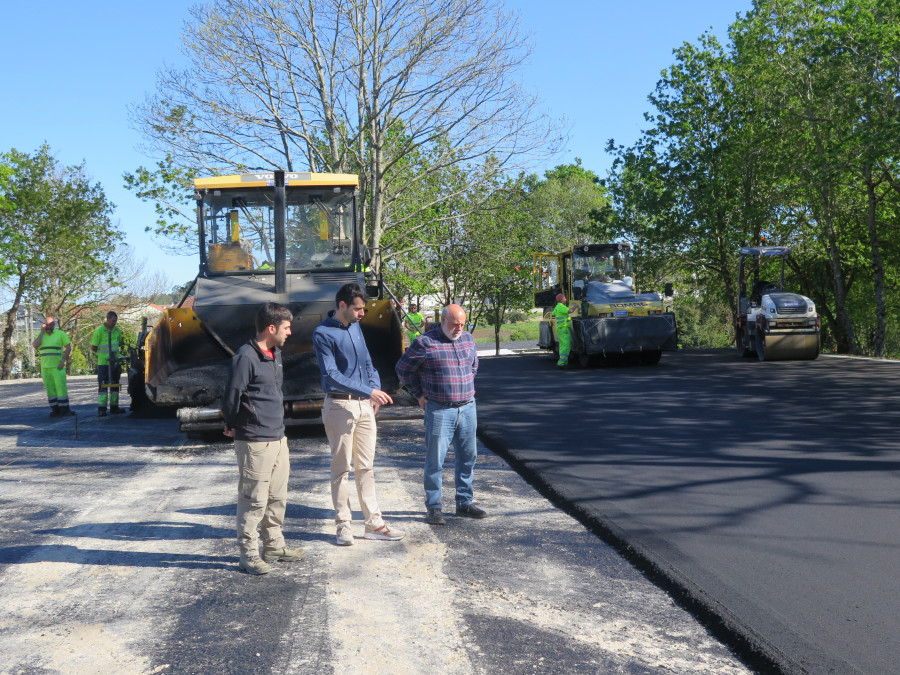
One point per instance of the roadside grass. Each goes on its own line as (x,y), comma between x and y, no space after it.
(510,332)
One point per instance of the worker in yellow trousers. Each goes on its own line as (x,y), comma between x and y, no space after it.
(54,348)
(106,343)
(562,314)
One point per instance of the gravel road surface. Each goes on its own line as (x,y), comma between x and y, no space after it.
(117,555)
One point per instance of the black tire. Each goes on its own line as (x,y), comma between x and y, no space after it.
(632,358)
(586,360)
(139,401)
(742,349)
(651,358)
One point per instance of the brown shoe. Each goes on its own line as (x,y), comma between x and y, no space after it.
(254,565)
(282,554)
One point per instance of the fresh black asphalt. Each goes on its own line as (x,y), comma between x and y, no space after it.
(765,494)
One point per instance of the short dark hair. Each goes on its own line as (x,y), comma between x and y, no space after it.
(348,292)
(272,314)
(111,315)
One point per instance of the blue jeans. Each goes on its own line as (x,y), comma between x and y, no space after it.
(443,426)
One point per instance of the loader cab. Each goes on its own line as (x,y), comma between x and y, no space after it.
(573,272)
(272,222)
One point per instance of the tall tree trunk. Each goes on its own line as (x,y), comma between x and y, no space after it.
(843,326)
(9,349)
(877,268)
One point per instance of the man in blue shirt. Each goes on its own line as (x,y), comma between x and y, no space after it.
(352,397)
(439,370)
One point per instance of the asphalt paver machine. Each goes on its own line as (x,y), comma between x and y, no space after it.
(291,238)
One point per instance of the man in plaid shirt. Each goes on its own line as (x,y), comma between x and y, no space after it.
(439,370)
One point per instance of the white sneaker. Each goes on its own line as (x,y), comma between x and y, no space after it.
(385,532)
(344,536)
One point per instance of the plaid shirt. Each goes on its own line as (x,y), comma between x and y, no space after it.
(440,369)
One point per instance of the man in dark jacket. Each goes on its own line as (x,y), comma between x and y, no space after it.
(253,408)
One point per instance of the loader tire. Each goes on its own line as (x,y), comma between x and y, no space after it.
(651,357)
(587,360)
(139,400)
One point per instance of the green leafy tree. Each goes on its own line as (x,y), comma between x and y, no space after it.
(685,190)
(826,73)
(783,138)
(56,238)
(501,236)
(567,203)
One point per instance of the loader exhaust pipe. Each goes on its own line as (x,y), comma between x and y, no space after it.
(191,415)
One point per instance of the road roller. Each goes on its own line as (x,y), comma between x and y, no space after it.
(286,237)
(611,321)
(773,324)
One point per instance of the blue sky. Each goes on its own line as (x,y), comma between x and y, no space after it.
(71,71)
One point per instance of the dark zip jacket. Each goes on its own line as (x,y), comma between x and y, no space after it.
(253,404)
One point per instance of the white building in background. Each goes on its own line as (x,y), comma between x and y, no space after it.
(134,315)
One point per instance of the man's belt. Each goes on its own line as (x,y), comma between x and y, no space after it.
(346,397)
(455,404)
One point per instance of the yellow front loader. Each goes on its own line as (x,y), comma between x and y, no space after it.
(290,238)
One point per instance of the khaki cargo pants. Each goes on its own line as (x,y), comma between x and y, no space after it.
(262,493)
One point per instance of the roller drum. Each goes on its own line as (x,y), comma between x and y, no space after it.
(787,347)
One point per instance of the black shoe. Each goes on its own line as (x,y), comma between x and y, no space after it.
(116,411)
(435,517)
(54,412)
(66,411)
(101,412)
(470,511)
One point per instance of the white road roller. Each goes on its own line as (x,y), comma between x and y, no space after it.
(772,323)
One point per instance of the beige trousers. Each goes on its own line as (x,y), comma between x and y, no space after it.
(264,468)
(350,427)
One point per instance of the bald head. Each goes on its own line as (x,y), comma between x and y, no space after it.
(453,321)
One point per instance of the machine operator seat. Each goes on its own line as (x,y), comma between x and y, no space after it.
(760,288)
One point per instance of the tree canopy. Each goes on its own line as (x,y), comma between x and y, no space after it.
(352,86)
(56,239)
(785,136)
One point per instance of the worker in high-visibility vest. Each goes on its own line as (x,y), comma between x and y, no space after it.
(54,348)
(415,322)
(106,343)
(562,314)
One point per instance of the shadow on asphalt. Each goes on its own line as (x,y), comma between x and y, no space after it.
(63,553)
